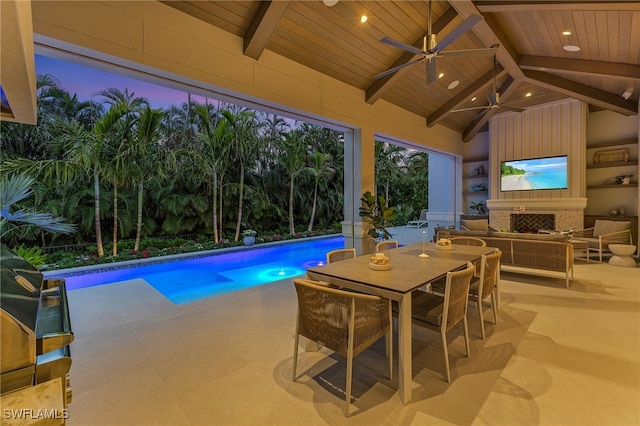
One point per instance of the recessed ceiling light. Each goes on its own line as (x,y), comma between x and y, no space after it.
(363,18)
(441,75)
(453,84)
(528,94)
(474,99)
(571,48)
(566,33)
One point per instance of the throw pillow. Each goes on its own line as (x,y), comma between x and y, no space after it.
(475,224)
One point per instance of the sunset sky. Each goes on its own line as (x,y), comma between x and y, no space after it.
(85,81)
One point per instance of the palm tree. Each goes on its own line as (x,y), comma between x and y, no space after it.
(87,148)
(389,163)
(320,169)
(419,178)
(127,105)
(214,136)
(244,129)
(15,189)
(292,159)
(143,157)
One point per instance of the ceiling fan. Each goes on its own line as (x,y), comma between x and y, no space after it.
(431,49)
(494,98)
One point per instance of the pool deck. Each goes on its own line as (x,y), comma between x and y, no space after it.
(139,359)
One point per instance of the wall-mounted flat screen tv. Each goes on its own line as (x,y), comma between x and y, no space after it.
(534,174)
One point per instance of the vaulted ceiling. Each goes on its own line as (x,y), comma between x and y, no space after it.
(533,66)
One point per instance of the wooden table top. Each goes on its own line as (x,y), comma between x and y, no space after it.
(408,270)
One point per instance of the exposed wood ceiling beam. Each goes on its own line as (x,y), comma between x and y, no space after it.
(264,24)
(558,5)
(477,125)
(461,97)
(380,85)
(479,122)
(490,33)
(581,92)
(580,66)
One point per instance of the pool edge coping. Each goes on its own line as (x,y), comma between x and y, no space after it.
(61,273)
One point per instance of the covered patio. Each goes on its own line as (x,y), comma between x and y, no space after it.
(138,359)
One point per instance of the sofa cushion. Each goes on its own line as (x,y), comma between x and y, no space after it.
(506,235)
(462,233)
(534,237)
(603,227)
(475,224)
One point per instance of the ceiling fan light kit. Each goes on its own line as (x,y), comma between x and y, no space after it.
(493,98)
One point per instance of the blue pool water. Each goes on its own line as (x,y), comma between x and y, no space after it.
(188,280)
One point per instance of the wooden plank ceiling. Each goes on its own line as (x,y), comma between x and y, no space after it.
(532,65)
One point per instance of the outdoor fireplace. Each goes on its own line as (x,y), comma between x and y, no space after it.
(532,223)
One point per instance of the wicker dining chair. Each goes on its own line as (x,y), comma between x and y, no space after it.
(442,313)
(469,241)
(386,245)
(340,254)
(345,322)
(485,286)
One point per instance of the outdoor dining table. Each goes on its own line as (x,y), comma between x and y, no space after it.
(408,273)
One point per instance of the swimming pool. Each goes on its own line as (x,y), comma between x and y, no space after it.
(188,280)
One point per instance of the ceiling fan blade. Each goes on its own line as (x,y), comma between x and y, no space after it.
(401,45)
(470,109)
(508,108)
(469,52)
(431,71)
(465,26)
(398,68)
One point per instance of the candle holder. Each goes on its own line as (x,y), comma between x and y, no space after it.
(444,240)
(424,236)
(380,261)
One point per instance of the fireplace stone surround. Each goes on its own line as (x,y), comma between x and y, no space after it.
(568,213)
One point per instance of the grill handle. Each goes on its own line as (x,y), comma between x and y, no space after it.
(52,341)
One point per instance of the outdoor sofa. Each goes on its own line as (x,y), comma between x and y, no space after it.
(548,252)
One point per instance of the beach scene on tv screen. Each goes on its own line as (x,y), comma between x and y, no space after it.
(531,174)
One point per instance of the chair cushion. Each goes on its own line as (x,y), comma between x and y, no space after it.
(475,224)
(427,307)
(602,227)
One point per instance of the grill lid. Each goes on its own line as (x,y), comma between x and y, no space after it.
(20,286)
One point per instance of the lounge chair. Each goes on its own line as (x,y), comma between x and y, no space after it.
(422,221)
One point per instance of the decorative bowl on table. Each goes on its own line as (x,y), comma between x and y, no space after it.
(444,244)
(379,262)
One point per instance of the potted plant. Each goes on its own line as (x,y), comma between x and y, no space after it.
(249,237)
(623,179)
(380,216)
(479,186)
(477,208)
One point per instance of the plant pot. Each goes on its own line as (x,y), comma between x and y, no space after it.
(249,241)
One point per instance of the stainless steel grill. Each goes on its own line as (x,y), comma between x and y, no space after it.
(35,324)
